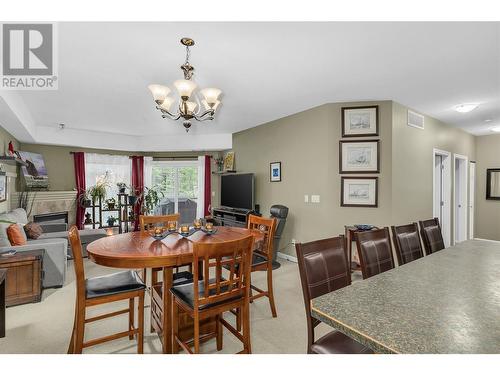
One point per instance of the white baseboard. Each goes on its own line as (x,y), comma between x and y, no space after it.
(287,257)
(480,239)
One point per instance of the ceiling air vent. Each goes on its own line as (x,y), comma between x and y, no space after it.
(416,120)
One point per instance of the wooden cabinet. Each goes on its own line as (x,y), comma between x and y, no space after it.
(23,281)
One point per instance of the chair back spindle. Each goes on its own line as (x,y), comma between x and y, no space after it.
(210,258)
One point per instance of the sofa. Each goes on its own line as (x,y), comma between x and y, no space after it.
(53,241)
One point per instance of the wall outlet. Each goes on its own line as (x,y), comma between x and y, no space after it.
(306,198)
(314,198)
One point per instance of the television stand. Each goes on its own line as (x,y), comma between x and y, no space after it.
(233,217)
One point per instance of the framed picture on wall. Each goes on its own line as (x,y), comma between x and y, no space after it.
(229,161)
(360,121)
(359,192)
(493,183)
(3,187)
(275,171)
(359,156)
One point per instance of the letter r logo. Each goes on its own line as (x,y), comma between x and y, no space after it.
(27,49)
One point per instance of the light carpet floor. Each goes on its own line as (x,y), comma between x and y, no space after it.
(45,327)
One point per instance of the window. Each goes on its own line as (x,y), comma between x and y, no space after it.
(179,181)
(108,168)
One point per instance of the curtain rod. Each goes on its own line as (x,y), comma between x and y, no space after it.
(191,157)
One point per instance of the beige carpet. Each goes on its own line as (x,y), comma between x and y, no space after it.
(45,327)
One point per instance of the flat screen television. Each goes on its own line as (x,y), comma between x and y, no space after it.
(237,191)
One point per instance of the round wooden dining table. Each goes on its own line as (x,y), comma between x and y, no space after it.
(137,250)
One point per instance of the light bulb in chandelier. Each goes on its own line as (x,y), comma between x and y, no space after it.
(211,95)
(185,88)
(159,92)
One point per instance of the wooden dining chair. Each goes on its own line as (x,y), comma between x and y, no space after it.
(125,285)
(323,268)
(213,295)
(262,259)
(375,251)
(161,221)
(432,236)
(407,243)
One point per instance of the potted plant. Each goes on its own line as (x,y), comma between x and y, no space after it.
(98,191)
(121,187)
(219,162)
(88,218)
(151,199)
(133,196)
(111,221)
(85,199)
(110,203)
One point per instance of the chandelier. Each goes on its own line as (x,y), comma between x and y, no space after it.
(189,104)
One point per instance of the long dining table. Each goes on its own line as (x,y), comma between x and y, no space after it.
(137,250)
(446,302)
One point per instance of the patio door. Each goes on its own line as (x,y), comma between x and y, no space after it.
(179,183)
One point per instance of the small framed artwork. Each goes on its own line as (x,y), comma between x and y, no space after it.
(229,161)
(3,187)
(493,183)
(359,192)
(359,121)
(275,171)
(359,156)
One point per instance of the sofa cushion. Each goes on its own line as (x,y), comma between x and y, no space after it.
(16,235)
(16,216)
(33,230)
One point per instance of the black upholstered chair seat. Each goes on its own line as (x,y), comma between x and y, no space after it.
(185,292)
(126,281)
(336,342)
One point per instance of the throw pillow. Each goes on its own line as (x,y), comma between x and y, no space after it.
(15,234)
(33,230)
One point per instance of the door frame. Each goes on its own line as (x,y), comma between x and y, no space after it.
(446,223)
(472,197)
(465,183)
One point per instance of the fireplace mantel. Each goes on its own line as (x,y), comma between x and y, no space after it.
(49,201)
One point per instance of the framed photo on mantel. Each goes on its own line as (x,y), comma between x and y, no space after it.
(360,121)
(359,156)
(359,192)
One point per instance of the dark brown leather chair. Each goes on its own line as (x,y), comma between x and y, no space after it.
(375,251)
(407,243)
(323,269)
(431,235)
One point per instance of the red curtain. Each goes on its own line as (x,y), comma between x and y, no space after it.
(79,161)
(138,184)
(208,185)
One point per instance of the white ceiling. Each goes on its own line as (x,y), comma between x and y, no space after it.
(266,71)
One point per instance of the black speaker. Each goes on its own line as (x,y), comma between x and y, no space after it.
(257,208)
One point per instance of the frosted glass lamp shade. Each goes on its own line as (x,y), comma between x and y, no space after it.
(167,103)
(184,87)
(159,92)
(211,95)
(210,106)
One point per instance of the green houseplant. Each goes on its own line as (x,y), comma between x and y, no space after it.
(98,191)
(152,197)
(111,221)
(110,203)
(85,199)
(122,186)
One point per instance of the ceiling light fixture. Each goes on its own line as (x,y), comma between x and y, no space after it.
(466,107)
(189,104)
(495,129)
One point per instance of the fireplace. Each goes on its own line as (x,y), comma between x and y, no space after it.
(52,218)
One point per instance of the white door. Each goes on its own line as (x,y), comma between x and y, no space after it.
(442,192)
(472,192)
(460,198)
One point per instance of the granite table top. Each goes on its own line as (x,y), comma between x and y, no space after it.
(447,302)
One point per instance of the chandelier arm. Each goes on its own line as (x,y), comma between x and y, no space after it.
(207,115)
(166,113)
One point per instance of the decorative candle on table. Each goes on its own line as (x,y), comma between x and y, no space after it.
(184,228)
(172,225)
(209,226)
(197,224)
